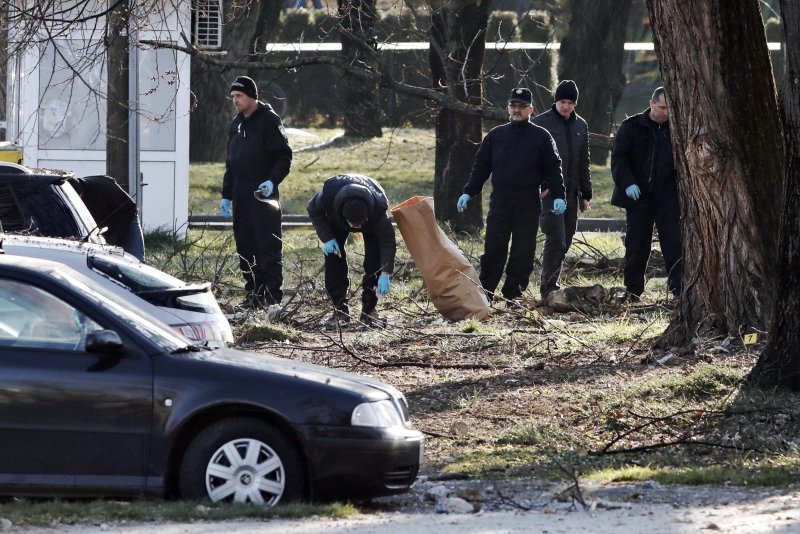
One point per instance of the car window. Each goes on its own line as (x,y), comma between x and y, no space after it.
(10,216)
(147,326)
(33,318)
(49,213)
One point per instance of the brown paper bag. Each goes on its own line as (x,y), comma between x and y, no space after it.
(451,280)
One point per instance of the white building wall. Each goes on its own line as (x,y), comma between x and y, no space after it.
(57,108)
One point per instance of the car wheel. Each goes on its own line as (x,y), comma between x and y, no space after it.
(242,460)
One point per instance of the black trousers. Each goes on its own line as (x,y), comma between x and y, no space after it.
(337,279)
(257,231)
(518,222)
(665,215)
(559,231)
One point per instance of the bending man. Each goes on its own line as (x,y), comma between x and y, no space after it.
(354,203)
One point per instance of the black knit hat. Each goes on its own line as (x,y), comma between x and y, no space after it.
(354,211)
(246,85)
(566,90)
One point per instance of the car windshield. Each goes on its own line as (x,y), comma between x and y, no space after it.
(147,282)
(162,335)
(136,276)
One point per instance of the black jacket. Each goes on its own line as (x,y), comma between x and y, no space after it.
(519,157)
(572,139)
(109,205)
(634,160)
(258,150)
(325,210)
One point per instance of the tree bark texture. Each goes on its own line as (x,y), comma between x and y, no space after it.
(727,144)
(592,54)
(359,47)
(118,101)
(779,364)
(211,106)
(457,35)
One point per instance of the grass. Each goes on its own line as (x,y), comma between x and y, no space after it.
(51,513)
(402,161)
(744,437)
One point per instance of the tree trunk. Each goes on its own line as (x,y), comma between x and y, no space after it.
(592,54)
(779,364)
(728,155)
(117,113)
(458,33)
(361,110)
(211,107)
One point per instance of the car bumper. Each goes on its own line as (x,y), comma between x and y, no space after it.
(351,462)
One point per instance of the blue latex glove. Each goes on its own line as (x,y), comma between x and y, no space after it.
(331,247)
(226,208)
(633,192)
(383,284)
(461,205)
(559,206)
(266,188)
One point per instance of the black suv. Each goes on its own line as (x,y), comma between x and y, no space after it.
(43,204)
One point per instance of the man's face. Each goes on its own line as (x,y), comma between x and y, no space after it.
(243,103)
(519,111)
(659,113)
(565,107)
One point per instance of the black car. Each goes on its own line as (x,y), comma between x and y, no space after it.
(43,204)
(99,400)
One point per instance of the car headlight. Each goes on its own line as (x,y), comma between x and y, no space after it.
(381,414)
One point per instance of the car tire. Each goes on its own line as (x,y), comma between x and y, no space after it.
(242,460)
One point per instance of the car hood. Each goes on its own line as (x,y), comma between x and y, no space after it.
(365,386)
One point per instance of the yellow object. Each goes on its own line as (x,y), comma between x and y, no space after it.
(750,339)
(10,152)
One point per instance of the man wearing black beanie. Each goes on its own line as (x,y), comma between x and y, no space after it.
(354,203)
(571,134)
(259,158)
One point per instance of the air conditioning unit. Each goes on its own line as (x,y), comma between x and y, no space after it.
(207,18)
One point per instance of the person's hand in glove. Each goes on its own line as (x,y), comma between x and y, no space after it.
(559,206)
(461,205)
(383,284)
(226,208)
(266,188)
(633,192)
(331,247)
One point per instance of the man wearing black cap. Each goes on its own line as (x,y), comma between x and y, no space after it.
(519,156)
(259,158)
(354,203)
(571,134)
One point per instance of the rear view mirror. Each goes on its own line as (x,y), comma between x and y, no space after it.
(104,342)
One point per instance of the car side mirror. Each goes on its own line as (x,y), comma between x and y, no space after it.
(104,342)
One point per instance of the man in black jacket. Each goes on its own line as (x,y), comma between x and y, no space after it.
(571,134)
(111,207)
(519,156)
(259,158)
(354,203)
(645,185)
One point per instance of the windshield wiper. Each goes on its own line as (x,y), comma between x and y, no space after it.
(190,348)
